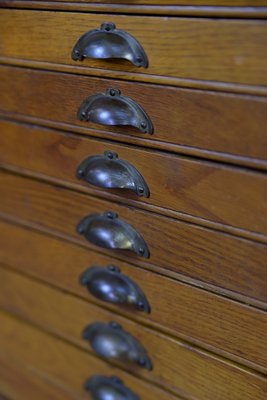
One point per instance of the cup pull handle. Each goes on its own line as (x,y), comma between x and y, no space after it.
(108,171)
(111,108)
(110,285)
(109,42)
(108,387)
(108,231)
(111,341)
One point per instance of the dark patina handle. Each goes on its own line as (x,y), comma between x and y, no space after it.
(108,231)
(110,341)
(109,284)
(108,388)
(108,171)
(111,108)
(109,42)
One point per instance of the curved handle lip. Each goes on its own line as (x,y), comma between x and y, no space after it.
(109,172)
(108,231)
(111,341)
(110,285)
(113,109)
(108,42)
(112,386)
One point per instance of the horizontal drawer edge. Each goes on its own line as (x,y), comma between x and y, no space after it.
(135,77)
(226,261)
(22,381)
(184,188)
(228,229)
(216,323)
(235,160)
(243,10)
(81,314)
(69,376)
(58,236)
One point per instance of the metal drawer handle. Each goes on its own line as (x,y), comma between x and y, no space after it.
(107,171)
(110,232)
(109,42)
(108,388)
(110,341)
(109,284)
(111,108)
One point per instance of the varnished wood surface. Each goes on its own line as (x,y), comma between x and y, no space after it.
(172,360)
(213,257)
(169,300)
(19,381)
(254,163)
(180,367)
(131,201)
(259,11)
(226,50)
(240,11)
(205,190)
(181,2)
(66,365)
(135,77)
(205,121)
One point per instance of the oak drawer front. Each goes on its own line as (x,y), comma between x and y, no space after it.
(219,259)
(67,316)
(191,119)
(182,2)
(171,311)
(242,60)
(19,381)
(205,190)
(64,364)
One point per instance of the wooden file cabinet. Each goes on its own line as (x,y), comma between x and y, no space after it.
(133,200)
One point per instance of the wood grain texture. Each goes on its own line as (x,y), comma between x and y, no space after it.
(66,317)
(225,87)
(228,50)
(239,11)
(213,121)
(171,311)
(180,2)
(254,163)
(132,202)
(66,365)
(225,50)
(210,256)
(150,9)
(204,190)
(19,381)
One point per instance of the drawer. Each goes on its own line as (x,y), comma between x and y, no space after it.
(202,189)
(183,2)
(67,366)
(209,124)
(172,360)
(230,50)
(170,312)
(213,257)
(22,382)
